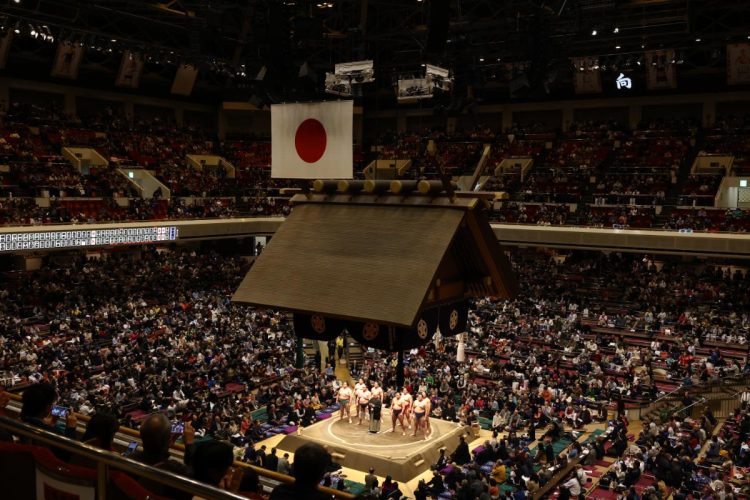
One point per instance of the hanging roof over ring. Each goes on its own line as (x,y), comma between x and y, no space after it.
(378,257)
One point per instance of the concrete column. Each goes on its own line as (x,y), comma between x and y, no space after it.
(709,112)
(507,119)
(401,124)
(635,112)
(450,125)
(4,95)
(567,117)
(128,109)
(221,124)
(70,103)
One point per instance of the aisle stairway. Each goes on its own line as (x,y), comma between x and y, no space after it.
(723,399)
(354,353)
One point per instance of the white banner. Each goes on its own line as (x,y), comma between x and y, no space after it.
(312,141)
(738,63)
(587,79)
(661,72)
(184,79)
(130,70)
(67,60)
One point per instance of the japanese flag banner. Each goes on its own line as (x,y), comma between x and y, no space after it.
(312,140)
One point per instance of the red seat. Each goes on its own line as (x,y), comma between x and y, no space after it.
(60,480)
(17,471)
(123,487)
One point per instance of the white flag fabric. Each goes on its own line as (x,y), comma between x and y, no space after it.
(312,140)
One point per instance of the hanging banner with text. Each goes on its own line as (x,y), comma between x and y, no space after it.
(661,70)
(738,63)
(131,66)
(587,78)
(5,48)
(184,80)
(67,60)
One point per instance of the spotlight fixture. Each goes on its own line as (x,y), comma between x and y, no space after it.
(594,32)
(617,47)
(616,30)
(697,39)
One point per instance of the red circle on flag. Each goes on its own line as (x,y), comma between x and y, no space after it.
(310,140)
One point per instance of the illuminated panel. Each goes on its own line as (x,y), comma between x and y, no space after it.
(11,242)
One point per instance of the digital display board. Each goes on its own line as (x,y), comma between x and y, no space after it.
(80,238)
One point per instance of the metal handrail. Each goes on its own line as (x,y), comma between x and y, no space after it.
(269,475)
(109,459)
(700,401)
(699,387)
(669,394)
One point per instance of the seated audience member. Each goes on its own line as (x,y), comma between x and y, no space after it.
(36,405)
(442,460)
(461,454)
(156,436)
(310,463)
(393,494)
(436,485)
(284,467)
(389,486)
(37,402)
(100,431)
(211,463)
(370,480)
(250,485)
(272,460)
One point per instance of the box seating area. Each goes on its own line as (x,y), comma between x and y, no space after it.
(532,213)
(709,219)
(590,166)
(700,190)
(731,136)
(636,217)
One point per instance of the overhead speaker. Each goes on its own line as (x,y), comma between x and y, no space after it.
(438,25)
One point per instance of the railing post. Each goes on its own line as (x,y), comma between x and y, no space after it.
(101,481)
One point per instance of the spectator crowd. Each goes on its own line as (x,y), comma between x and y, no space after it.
(150,333)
